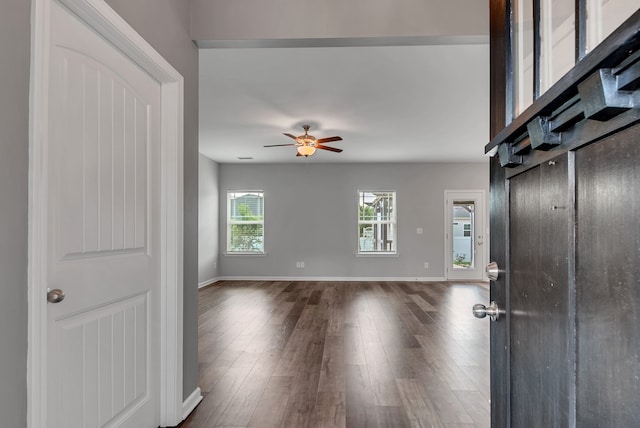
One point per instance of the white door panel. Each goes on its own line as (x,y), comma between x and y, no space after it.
(103,365)
(103,230)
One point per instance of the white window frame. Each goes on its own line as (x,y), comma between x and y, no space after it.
(393,222)
(231,222)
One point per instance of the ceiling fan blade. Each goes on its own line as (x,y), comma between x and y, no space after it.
(331,149)
(291,136)
(328,140)
(279,145)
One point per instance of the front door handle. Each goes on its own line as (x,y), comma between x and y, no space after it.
(481,311)
(55,296)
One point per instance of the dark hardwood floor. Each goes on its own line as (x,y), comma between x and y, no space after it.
(342,354)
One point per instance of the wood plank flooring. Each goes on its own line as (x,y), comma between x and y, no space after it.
(342,354)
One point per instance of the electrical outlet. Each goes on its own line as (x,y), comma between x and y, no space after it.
(426,265)
(300,265)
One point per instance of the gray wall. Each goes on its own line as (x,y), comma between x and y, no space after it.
(296,19)
(165,25)
(311,215)
(14,141)
(207,221)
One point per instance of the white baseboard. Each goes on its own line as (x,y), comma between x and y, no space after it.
(207,282)
(330,278)
(191,402)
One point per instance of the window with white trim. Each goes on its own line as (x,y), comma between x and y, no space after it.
(245,222)
(377,222)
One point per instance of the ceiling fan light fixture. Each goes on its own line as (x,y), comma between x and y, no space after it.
(306,150)
(306,144)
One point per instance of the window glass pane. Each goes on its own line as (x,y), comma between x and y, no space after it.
(246,206)
(246,238)
(604,16)
(377,237)
(557,39)
(376,206)
(522,55)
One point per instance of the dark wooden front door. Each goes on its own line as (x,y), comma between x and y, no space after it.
(565,231)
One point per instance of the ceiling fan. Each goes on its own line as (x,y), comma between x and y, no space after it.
(307,144)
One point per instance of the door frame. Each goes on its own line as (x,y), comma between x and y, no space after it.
(448,240)
(106,22)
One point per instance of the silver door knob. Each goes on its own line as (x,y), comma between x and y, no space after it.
(55,296)
(492,271)
(481,311)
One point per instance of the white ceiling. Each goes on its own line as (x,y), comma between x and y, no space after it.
(389,103)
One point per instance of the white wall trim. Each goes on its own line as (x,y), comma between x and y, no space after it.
(333,278)
(105,21)
(208,282)
(191,402)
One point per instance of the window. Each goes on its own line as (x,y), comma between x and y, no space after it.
(376,222)
(548,36)
(245,222)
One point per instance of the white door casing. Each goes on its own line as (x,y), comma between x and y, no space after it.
(105,223)
(479,238)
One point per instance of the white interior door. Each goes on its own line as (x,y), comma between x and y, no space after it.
(103,204)
(464,235)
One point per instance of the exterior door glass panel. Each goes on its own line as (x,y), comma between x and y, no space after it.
(463,231)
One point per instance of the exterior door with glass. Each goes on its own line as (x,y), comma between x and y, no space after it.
(464,235)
